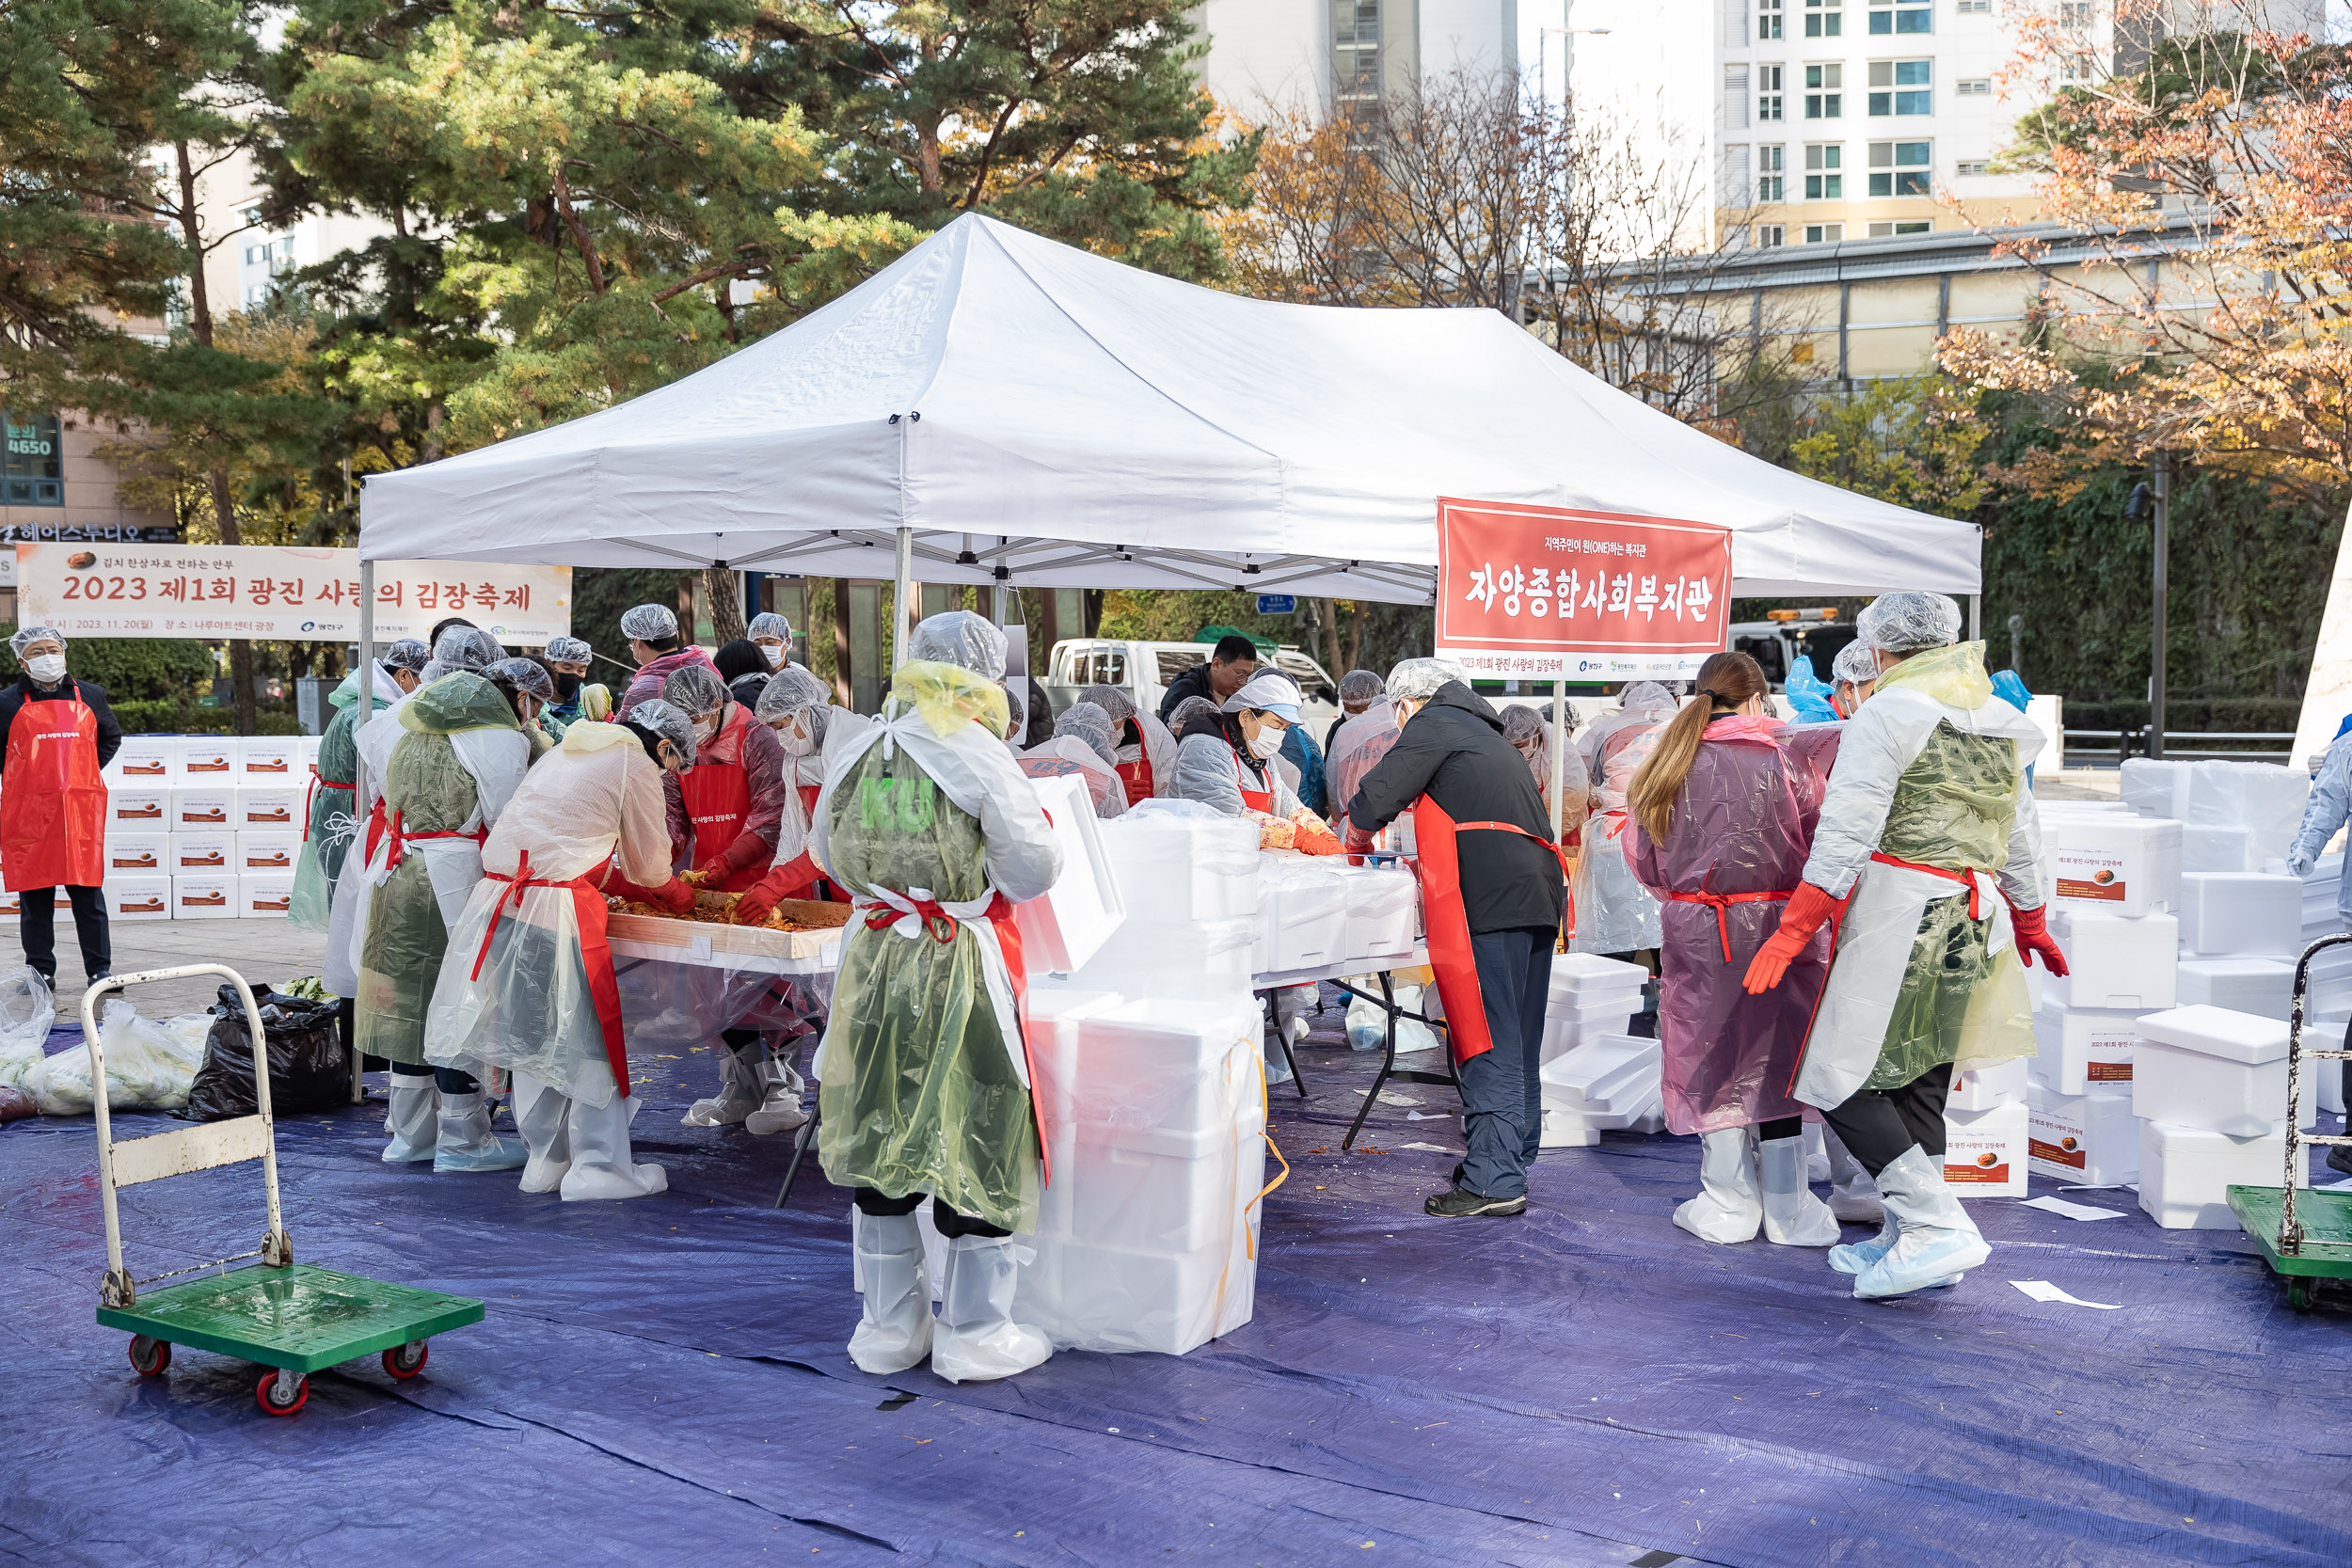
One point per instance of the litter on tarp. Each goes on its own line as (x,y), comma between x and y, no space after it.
(2064,1209)
(2042,1290)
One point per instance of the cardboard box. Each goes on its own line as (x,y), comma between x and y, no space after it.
(263,897)
(204,897)
(208,759)
(2088,1138)
(138,898)
(201,808)
(263,851)
(202,854)
(268,806)
(1984,1152)
(132,853)
(138,810)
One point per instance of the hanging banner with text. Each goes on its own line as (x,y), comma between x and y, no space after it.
(1555,594)
(219,590)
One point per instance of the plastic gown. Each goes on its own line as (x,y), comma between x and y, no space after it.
(1209,770)
(329,820)
(926,820)
(1742,825)
(1614,912)
(2330,805)
(1356,745)
(1068,755)
(1929,772)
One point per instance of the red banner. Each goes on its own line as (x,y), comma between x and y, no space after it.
(1553,593)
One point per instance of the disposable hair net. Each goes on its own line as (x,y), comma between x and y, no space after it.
(1186,711)
(1270,692)
(463,648)
(961,637)
(1016,717)
(650,622)
(695,689)
(523,674)
(1854,664)
(31,635)
(1359,688)
(787,691)
(409,653)
(1084,721)
(1416,679)
(1647,697)
(1907,622)
(1115,704)
(569,650)
(656,717)
(768,624)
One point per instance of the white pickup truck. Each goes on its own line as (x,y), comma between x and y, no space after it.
(1143,670)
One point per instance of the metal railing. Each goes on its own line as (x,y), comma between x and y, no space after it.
(2109,747)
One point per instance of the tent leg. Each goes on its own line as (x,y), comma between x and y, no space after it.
(358,778)
(900,610)
(1976,617)
(1559,753)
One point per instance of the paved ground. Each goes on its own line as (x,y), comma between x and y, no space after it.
(260,950)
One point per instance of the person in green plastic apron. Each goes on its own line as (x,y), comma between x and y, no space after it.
(928,824)
(1927,861)
(567,659)
(329,821)
(448,777)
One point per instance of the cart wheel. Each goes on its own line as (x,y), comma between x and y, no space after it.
(2299,1294)
(149,1357)
(406,1361)
(266,1394)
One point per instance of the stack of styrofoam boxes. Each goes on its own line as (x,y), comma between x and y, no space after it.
(1302,913)
(2210,1088)
(1591,1082)
(1985,1131)
(139,783)
(271,776)
(203,823)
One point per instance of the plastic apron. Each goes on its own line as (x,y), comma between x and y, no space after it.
(595,952)
(1446,920)
(1136,777)
(718,800)
(53,814)
(1255,800)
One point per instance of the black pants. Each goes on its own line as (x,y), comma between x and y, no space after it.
(446,1079)
(1502,1097)
(89,925)
(951,1224)
(1877,1125)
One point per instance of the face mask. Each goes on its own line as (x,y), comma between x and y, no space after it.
(706,728)
(567,687)
(48,669)
(1266,744)
(776,654)
(796,743)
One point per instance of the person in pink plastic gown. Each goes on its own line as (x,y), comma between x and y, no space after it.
(1740,794)
(661,652)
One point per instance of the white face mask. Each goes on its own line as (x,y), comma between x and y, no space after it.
(48,669)
(776,654)
(706,728)
(797,743)
(1266,744)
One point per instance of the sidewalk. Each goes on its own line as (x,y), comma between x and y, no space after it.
(263,951)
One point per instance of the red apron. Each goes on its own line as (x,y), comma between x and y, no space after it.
(378,827)
(1446,919)
(1136,775)
(718,799)
(806,880)
(53,814)
(1256,800)
(1719,902)
(596,952)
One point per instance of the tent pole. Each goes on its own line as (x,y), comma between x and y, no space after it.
(1976,617)
(898,606)
(359,775)
(1559,753)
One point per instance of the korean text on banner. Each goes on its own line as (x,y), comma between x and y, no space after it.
(1554,593)
(217,590)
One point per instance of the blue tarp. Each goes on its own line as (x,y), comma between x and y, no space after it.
(664,1381)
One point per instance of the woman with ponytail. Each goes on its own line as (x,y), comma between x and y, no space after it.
(1722,816)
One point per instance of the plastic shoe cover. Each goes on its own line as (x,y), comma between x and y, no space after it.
(1367,1025)
(539,1116)
(1858,1256)
(740,1089)
(1854,1197)
(977,1340)
(1792,1215)
(779,1109)
(1816,1154)
(893,1332)
(409,1117)
(1726,1210)
(1938,1241)
(466,1141)
(601,1167)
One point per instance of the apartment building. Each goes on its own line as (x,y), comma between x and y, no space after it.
(1313,56)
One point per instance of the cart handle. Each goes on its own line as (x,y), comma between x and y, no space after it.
(2291,1229)
(187,1150)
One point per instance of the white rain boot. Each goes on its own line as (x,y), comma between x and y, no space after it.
(893,1332)
(780,1108)
(539,1116)
(1938,1241)
(977,1340)
(1792,1215)
(740,1088)
(466,1141)
(409,1119)
(1726,1210)
(1854,1197)
(1816,1154)
(601,1167)
(1854,1256)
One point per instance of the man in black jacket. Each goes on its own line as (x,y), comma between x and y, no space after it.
(1491,896)
(52,832)
(1230,664)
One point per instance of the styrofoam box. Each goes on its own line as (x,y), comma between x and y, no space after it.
(2088,1138)
(2211,1069)
(262,852)
(2225,913)
(1615,1072)
(208,759)
(2156,788)
(1984,1152)
(196,808)
(1564,1129)
(2124,863)
(2262,796)
(1172,868)
(146,760)
(2081,1049)
(1146,1065)
(134,897)
(1586,975)
(2114,960)
(137,852)
(265,759)
(1062,927)
(2185,1173)
(2264,987)
(1099,1298)
(2212,847)
(1565,1029)
(204,897)
(273,807)
(2325,1089)
(261,895)
(202,854)
(1199,958)
(1383,914)
(12,904)
(1302,916)
(310,744)
(140,810)
(1984,1088)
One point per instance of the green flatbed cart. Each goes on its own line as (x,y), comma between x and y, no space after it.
(291,1318)
(2306,1235)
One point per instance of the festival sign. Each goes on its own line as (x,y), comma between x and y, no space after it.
(1559,594)
(267,591)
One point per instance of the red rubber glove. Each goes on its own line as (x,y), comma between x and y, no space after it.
(752,904)
(747,850)
(673,896)
(1360,841)
(2033,936)
(1808,910)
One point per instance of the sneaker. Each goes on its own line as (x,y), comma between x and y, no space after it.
(1461,1203)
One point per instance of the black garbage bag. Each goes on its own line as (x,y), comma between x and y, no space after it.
(310,1065)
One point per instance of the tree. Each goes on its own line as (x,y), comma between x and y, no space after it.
(1912,440)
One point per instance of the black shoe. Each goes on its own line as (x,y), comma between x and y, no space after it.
(1461,1203)
(2339,1157)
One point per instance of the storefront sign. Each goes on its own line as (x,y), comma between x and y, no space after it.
(1553,592)
(220,590)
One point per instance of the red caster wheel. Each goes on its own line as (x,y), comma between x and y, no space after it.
(149,1357)
(405,1361)
(281,1402)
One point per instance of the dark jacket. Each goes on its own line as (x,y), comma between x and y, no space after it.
(1453,751)
(22,690)
(1192,683)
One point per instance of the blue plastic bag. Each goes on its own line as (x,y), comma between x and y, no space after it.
(1808,696)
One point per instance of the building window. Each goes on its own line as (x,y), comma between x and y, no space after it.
(1821,19)
(1771,233)
(1973,8)
(1822,180)
(1973,87)
(1356,50)
(1905,225)
(32,473)
(1767,19)
(1772,181)
(1906,18)
(1823,100)
(1735,97)
(1899,168)
(1823,233)
(1768,94)
(2074,13)
(1970,168)
(1902,87)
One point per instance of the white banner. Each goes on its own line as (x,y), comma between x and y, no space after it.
(267,591)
